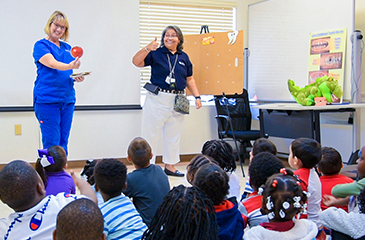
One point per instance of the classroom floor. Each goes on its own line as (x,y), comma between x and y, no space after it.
(174,181)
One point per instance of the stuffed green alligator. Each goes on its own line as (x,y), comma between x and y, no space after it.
(323,87)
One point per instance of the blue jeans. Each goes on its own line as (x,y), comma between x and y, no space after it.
(55,120)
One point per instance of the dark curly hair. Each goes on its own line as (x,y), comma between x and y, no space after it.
(263,166)
(18,184)
(185,213)
(213,181)
(80,219)
(263,145)
(281,188)
(110,176)
(222,152)
(195,163)
(308,150)
(361,201)
(331,161)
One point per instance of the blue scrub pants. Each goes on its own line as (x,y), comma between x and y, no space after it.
(55,120)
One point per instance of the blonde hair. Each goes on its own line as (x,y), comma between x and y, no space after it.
(58,17)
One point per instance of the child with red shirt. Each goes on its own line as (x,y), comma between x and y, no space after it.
(330,167)
(262,166)
(304,155)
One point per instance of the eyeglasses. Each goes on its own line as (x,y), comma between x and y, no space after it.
(59,26)
(170,36)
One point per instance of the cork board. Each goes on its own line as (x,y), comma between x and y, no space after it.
(217,61)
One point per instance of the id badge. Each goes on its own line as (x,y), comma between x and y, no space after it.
(169,80)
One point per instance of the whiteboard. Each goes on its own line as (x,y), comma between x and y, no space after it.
(278,43)
(108,32)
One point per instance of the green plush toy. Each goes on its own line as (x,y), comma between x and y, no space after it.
(322,87)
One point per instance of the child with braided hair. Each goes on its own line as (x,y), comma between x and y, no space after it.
(222,152)
(185,213)
(213,180)
(283,199)
(195,163)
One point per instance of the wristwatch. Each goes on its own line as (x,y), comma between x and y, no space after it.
(198,97)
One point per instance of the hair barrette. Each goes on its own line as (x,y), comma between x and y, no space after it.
(274,183)
(307,193)
(260,190)
(296,203)
(283,171)
(46,159)
(271,215)
(269,204)
(282,213)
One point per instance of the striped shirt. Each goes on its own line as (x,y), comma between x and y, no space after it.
(121,219)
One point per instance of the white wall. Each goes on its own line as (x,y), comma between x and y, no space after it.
(100,134)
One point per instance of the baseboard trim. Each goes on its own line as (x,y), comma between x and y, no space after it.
(74,164)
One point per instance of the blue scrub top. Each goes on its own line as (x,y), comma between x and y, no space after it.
(158,61)
(52,85)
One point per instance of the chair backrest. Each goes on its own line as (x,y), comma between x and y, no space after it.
(238,110)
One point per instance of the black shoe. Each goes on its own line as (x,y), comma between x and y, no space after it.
(177,173)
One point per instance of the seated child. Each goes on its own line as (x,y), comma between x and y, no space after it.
(148,184)
(121,219)
(87,173)
(348,189)
(51,166)
(330,166)
(262,166)
(283,198)
(185,213)
(351,224)
(213,180)
(195,163)
(80,219)
(35,214)
(304,155)
(260,145)
(222,152)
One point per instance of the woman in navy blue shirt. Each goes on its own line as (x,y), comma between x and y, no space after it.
(54,94)
(171,72)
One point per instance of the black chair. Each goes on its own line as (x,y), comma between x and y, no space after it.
(341,236)
(234,122)
(353,158)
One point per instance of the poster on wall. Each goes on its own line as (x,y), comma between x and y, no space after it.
(327,55)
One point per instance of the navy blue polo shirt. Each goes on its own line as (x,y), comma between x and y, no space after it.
(158,61)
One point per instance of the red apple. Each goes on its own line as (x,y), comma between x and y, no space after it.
(77,52)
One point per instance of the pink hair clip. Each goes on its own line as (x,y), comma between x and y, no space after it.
(283,171)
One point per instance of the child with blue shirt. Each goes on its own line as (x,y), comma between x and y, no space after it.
(147,185)
(121,219)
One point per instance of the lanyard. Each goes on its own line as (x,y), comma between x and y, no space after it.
(172,69)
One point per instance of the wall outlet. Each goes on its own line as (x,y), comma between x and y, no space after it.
(18,129)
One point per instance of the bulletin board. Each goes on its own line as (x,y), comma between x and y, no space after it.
(217,59)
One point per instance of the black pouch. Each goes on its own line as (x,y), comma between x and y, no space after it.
(151,88)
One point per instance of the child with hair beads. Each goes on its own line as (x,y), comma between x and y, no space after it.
(195,163)
(330,167)
(214,182)
(283,198)
(304,155)
(263,166)
(350,224)
(80,219)
(185,213)
(51,166)
(147,185)
(222,152)
(260,145)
